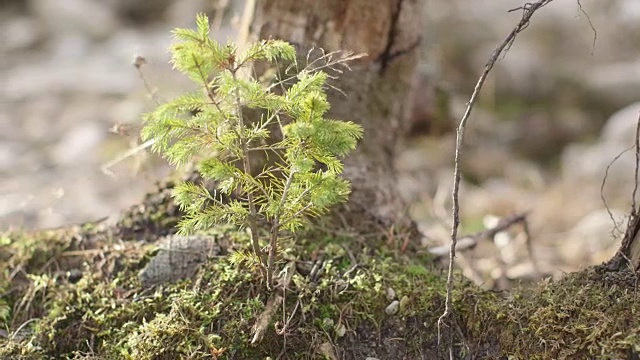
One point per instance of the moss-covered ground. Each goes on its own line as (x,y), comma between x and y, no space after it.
(74,293)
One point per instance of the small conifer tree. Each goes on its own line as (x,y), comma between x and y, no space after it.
(208,127)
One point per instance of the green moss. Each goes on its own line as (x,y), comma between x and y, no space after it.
(109,315)
(585,315)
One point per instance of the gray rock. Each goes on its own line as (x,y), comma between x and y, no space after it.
(404,302)
(621,126)
(393,308)
(595,238)
(177,259)
(589,162)
(391,294)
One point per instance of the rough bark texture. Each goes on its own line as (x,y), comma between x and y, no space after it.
(377,90)
(629,253)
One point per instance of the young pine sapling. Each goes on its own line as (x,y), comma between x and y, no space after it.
(208,126)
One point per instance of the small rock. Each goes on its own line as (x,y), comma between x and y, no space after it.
(594,238)
(391,294)
(178,259)
(621,126)
(327,322)
(393,308)
(328,351)
(404,302)
(588,163)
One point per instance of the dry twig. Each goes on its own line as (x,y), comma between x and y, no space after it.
(616,230)
(527,12)
(470,241)
(629,252)
(138,62)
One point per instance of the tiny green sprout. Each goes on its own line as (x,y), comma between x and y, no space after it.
(301,178)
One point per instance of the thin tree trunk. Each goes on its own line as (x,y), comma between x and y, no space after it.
(378,89)
(628,256)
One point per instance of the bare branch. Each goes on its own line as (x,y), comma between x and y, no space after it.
(470,241)
(602,185)
(527,12)
(595,33)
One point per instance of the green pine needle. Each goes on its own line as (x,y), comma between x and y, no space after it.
(210,127)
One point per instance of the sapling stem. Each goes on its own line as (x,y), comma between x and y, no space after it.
(253,213)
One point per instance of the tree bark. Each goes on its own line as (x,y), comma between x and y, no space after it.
(628,255)
(377,89)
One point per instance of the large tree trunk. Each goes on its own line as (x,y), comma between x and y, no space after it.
(377,90)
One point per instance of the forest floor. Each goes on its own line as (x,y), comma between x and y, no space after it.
(85,292)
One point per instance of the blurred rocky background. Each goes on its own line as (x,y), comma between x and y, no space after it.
(557,109)
(72,102)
